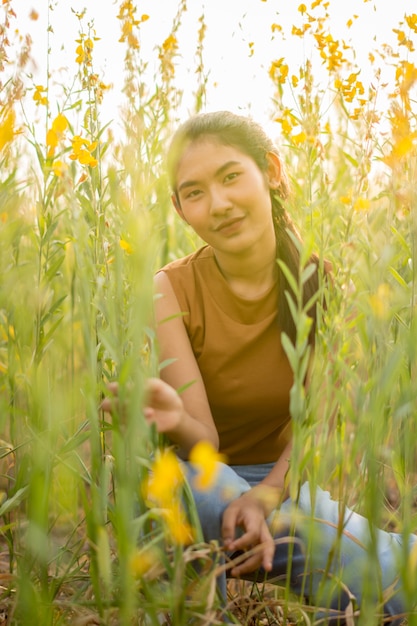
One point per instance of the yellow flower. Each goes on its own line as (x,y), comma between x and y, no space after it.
(299,138)
(177,525)
(346,199)
(412,21)
(85,158)
(7,130)
(146,562)
(286,126)
(165,479)
(403,147)
(381,301)
(302,8)
(84,51)
(361,204)
(206,458)
(60,123)
(51,140)
(38,97)
(279,70)
(59,168)
(55,133)
(82,149)
(125,245)
(127,16)
(170,44)
(162,489)
(79,51)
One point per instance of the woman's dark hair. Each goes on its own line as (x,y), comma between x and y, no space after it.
(250,138)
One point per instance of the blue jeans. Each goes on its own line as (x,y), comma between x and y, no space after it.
(326,562)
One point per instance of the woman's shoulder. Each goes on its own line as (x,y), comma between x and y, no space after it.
(191,262)
(184,278)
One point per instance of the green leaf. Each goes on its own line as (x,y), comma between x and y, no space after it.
(14,501)
(350,159)
(400,280)
(167,362)
(289,276)
(289,351)
(181,389)
(307,273)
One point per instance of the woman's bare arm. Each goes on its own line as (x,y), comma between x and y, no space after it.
(193,420)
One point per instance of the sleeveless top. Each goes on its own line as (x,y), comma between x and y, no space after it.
(236,343)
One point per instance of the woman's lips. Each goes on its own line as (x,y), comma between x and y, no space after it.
(229,226)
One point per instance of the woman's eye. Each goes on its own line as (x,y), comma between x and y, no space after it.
(192,194)
(231,176)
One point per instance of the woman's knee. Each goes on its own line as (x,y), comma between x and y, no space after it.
(211,503)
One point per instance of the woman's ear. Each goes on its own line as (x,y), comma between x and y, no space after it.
(273,171)
(177,206)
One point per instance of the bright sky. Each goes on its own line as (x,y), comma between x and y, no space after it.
(237,81)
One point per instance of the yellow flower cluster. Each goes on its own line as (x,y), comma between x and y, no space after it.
(127,17)
(163,490)
(412,22)
(292,130)
(56,133)
(279,71)
(84,51)
(331,51)
(164,485)
(82,151)
(39,96)
(404,134)
(359,204)
(351,87)
(168,51)
(403,139)
(405,78)
(403,40)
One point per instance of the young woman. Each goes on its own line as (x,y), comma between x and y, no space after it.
(220,316)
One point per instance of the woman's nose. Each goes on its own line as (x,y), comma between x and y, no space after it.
(219,202)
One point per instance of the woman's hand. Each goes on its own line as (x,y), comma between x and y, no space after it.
(249,512)
(166,409)
(163,406)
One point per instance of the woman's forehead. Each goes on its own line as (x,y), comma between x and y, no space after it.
(206,153)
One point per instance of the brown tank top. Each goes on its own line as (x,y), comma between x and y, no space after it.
(237,346)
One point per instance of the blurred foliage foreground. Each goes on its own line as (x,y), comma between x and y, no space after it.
(85,218)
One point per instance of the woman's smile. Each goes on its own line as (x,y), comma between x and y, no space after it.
(229,226)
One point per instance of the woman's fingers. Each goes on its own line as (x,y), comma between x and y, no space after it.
(109,403)
(160,395)
(261,552)
(246,513)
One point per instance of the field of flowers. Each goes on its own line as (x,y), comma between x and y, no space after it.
(85,219)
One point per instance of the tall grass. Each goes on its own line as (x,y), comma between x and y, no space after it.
(85,219)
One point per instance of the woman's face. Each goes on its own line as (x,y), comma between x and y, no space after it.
(224,196)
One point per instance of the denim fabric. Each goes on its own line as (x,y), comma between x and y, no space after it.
(324,561)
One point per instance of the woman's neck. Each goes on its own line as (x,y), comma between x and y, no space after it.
(251,275)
